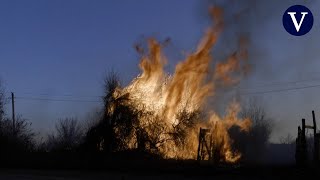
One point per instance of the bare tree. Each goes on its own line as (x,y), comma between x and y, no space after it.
(2,102)
(288,139)
(112,131)
(22,139)
(186,121)
(255,143)
(67,136)
(111,83)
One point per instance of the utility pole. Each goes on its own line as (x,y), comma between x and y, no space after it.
(13,115)
(316,139)
(315,148)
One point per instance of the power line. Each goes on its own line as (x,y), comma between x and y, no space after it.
(280,90)
(95,101)
(58,100)
(62,95)
(279,83)
(248,93)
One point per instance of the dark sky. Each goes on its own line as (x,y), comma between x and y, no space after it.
(61,50)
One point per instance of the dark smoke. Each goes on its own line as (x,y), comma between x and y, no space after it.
(274,55)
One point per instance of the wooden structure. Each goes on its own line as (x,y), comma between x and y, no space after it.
(301,143)
(205,145)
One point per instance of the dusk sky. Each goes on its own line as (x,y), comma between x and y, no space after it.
(55,54)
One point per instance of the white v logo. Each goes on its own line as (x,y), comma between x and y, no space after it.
(294,20)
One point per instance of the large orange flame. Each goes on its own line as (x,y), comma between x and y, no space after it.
(187,90)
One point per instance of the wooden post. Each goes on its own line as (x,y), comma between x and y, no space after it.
(199,146)
(203,149)
(315,139)
(303,133)
(314,124)
(298,147)
(304,150)
(13,115)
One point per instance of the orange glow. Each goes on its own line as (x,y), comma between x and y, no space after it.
(193,82)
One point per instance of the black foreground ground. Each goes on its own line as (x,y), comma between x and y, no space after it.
(58,166)
(258,172)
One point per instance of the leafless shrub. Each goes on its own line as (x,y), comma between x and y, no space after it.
(254,143)
(2,101)
(67,136)
(288,139)
(20,138)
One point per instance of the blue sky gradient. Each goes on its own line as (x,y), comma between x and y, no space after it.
(54,49)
